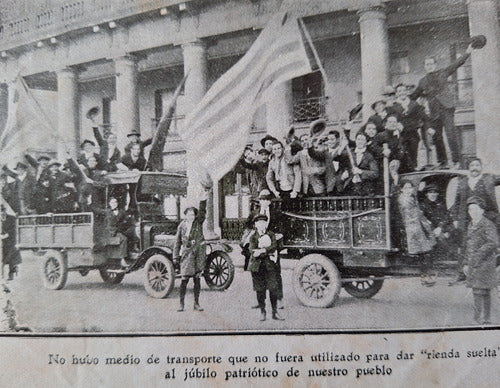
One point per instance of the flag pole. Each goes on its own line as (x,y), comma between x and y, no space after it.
(325,78)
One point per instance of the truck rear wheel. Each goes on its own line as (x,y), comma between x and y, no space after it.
(160,276)
(316,281)
(54,270)
(365,288)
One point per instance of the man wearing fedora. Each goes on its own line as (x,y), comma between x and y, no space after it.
(434,86)
(481,246)
(380,115)
(267,143)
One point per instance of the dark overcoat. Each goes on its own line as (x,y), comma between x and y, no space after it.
(190,248)
(265,273)
(482,242)
(10,255)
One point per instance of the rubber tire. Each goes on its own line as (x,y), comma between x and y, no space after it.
(228,266)
(367,293)
(111,277)
(329,269)
(161,263)
(59,271)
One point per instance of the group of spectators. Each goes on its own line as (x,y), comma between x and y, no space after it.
(41,185)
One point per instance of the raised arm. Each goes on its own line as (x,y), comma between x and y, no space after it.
(98,136)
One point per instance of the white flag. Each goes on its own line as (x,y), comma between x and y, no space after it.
(217,130)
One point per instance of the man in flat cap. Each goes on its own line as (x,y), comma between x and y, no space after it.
(87,150)
(481,247)
(134,137)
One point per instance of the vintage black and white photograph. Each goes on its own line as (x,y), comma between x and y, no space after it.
(232,166)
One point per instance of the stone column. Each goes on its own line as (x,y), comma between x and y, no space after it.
(68,136)
(127,99)
(279,110)
(483,20)
(195,64)
(374,55)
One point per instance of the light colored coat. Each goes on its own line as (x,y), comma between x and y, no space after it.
(189,248)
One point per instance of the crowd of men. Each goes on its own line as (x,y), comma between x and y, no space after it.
(41,185)
(325,162)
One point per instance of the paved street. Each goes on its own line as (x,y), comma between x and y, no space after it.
(86,304)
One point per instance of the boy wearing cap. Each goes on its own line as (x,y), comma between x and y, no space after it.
(264,267)
(482,243)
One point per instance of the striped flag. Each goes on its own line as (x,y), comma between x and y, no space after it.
(217,130)
(27,124)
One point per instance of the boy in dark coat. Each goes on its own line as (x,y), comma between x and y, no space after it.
(482,243)
(264,267)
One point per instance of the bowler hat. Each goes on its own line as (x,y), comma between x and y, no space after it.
(134,133)
(266,138)
(317,128)
(54,163)
(260,217)
(478,41)
(265,194)
(476,200)
(43,157)
(86,141)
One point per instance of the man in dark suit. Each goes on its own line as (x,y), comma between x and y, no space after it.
(412,116)
(24,186)
(362,179)
(392,136)
(109,154)
(135,159)
(476,184)
(441,104)
(39,165)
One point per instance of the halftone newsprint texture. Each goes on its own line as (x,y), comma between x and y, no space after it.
(249,192)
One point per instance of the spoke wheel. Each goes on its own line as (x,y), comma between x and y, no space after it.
(111,277)
(54,270)
(316,281)
(160,276)
(219,271)
(364,288)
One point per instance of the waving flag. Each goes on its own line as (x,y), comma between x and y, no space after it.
(217,130)
(27,124)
